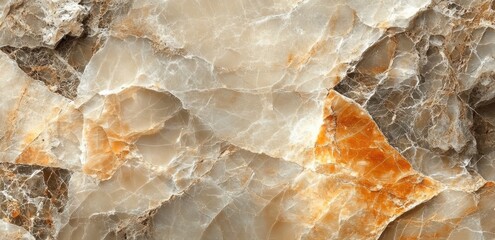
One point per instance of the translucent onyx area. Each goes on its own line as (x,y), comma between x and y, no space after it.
(242,119)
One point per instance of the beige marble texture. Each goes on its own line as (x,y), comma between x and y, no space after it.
(242,119)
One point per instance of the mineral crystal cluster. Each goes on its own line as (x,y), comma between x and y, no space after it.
(247,119)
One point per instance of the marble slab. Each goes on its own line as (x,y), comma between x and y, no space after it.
(242,119)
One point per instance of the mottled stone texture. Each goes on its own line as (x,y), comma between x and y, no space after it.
(430,89)
(241,119)
(33,197)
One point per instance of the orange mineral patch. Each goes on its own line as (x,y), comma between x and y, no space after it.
(35,156)
(351,138)
(374,183)
(15,213)
(102,160)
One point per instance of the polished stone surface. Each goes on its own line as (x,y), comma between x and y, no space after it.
(211,119)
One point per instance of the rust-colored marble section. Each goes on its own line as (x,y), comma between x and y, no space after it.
(430,90)
(349,137)
(381,182)
(249,120)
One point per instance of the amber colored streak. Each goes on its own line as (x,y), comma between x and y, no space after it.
(29,155)
(15,213)
(295,61)
(35,156)
(12,119)
(385,185)
(104,156)
(371,208)
(136,27)
(110,138)
(489,184)
(351,138)
(111,117)
(366,215)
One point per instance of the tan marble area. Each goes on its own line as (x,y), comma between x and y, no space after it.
(247,119)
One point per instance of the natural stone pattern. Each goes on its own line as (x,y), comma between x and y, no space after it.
(233,193)
(284,84)
(28,108)
(25,23)
(33,197)
(60,64)
(46,65)
(430,89)
(11,231)
(212,119)
(450,215)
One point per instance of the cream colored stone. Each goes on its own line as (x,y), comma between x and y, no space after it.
(11,231)
(247,119)
(39,22)
(27,110)
(451,215)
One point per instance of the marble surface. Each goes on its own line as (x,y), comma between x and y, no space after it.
(213,119)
